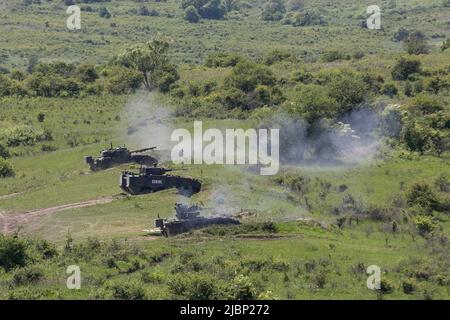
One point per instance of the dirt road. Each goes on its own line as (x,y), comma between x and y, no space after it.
(10,222)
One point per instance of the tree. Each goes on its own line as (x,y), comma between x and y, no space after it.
(312,103)
(191,14)
(273,10)
(150,59)
(246,75)
(208,9)
(405,67)
(416,43)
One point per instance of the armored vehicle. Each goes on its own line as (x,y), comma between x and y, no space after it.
(188,218)
(115,156)
(152,179)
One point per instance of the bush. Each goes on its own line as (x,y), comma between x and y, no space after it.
(307,18)
(443,183)
(191,14)
(312,103)
(104,13)
(13,252)
(416,43)
(120,80)
(273,10)
(27,275)
(4,153)
(405,67)
(332,56)
(247,75)
(23,135)
(222,59)
(408,286)
(242,288)
(386,286)
(276,56)
(207,9)
(424,224)
(87,73)
(421,194)
(6,169)
(424,104)
(390,90)
(194,287)
(127,290)
(348,89)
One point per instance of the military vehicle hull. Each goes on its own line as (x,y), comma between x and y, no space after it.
(174,227)
(113,157)
(138,184)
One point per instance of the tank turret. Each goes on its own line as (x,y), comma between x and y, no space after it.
(188,218)
(120,155)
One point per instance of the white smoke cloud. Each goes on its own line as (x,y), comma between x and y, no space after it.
(147,123)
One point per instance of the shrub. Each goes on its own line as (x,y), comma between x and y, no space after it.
(349,89)
(332,56)
(390,90)
(276,56)
(421,194)
(424,224)
(307,18)
(405,67)
(416,43)
(222,59)
(312,103)
(273,10)
(443,183)
(23,135)
(120,80)
(207,9)
(242,288)
(4,153)
(194,287)
(87,73)
(191,14)
(247,75)
(12,252)
(127,290)
(424,104)
(408,286)
(6,169)
(27,275)
(104,13)
(386,286)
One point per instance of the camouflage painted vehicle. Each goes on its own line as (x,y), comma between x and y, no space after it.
(116,156)
(188,218)
(152,179)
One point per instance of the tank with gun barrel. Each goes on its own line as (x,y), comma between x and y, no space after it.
(188,218)
(120,155)
(152,179)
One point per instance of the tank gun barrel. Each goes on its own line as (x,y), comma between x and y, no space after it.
(143,150)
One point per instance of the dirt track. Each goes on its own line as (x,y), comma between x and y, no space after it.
(10,195)
(10,222)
